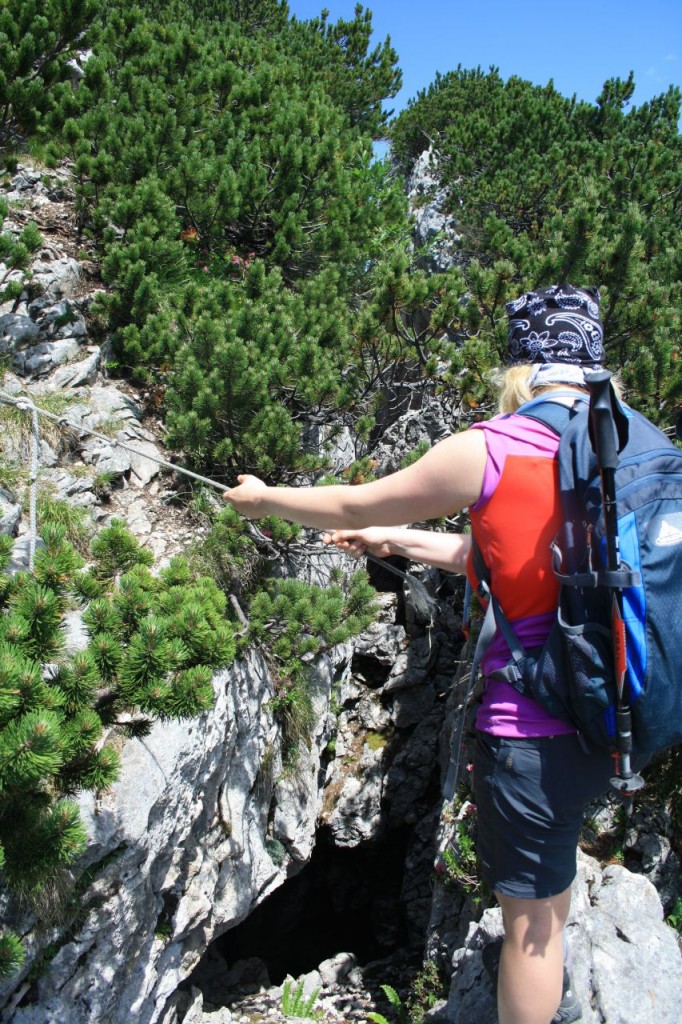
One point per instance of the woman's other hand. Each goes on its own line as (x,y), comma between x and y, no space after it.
(357,543)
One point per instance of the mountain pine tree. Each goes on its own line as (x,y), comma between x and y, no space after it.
(15,251)
(154,644)
(223,154)
(36,41)
(544,188)
(338,57)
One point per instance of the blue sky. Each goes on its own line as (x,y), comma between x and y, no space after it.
(578,45)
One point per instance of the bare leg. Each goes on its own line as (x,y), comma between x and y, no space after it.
(531,964)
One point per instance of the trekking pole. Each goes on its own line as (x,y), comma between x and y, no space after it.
(605,436)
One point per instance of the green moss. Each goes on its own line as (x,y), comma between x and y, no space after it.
(376,740)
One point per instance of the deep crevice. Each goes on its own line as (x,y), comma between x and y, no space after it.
(343,900)
(373,673)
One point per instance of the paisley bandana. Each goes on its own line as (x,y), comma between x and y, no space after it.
(559,324)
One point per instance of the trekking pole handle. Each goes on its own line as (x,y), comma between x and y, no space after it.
(602,419)
(604,438)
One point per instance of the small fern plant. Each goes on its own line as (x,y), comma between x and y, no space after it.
(397,1004)
(295,1003)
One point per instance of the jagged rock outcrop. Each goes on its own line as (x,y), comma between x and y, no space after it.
(627,967)
(197,831)
(201,826)
(435,226)
(10,513)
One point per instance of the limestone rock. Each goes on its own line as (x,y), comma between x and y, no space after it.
(107,404)
(105,457)
(405,434)
(67,486)
(628,964)
(433,222)
(341,446)
(648,850)
(21,551)
(335,969)
(144,459)
(59,278)
(627,961)
(11,385)
(179,840)
(26,180)
(411,776)
(353,798)
(383,642)
(78,374)
(48,355)
(76,636)
(137,518)
(59,319)
(10,513)
(48,456)
(16,330)
(77,64)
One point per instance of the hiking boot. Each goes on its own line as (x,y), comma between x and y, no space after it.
(569,1008)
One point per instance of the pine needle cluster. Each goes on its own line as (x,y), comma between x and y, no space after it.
(15,252)
(154,643)
(293,621)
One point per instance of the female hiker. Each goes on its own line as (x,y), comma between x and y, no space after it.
(532,780)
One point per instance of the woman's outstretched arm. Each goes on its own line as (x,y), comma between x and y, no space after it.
(447,551)
(448,478)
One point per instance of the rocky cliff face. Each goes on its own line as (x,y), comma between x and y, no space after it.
(179,849)
(626,959)
(203,826)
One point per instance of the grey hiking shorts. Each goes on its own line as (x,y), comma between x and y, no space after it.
(530,796)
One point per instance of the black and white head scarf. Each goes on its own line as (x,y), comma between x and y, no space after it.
(559,324)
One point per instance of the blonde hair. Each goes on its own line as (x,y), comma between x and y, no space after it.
(514,389)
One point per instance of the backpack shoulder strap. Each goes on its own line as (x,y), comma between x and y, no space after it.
(555,414)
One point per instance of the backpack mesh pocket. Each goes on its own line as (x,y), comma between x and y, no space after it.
(572,677)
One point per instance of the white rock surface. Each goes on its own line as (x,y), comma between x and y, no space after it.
(627,962)
(181,841)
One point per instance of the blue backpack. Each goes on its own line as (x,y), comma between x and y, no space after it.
(573,674)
